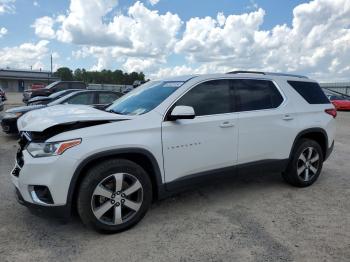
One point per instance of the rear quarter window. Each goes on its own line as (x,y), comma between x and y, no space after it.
(310,91)
(60,87)
(256,94)
(78,86)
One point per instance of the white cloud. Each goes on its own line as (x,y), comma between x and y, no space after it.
(7,6)
(140,33)
(55,55)
(316,44)
(3,31)
(84,24)
(134,64)
(222,39)
(35,3)
(44,27)
(25,55)
(252,5)
(154,2)
(150,36)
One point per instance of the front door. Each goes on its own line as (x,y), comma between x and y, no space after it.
(207,142)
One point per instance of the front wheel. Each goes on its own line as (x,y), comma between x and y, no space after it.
(305,165)
(114,196)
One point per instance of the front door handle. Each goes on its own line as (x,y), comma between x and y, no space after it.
(226,124)
(287,117)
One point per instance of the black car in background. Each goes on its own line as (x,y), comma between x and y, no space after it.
(2,95)
(52,88)
(44,100)
(99,99)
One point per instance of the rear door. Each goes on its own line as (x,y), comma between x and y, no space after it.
(266,124)
(209,141)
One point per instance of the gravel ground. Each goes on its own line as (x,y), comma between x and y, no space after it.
(254,217)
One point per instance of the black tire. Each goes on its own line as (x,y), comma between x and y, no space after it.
(94,177)
(291,175)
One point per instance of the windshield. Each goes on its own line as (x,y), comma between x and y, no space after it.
(52,84)
(57,94)
(144,98)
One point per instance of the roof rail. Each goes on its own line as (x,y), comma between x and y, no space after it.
(246,72)
(286,74)
(266,73)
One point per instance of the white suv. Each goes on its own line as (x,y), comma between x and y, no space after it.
(167,135)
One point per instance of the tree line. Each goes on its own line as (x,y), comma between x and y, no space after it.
(99,77)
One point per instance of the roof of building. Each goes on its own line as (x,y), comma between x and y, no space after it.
(335,84)
(22,74)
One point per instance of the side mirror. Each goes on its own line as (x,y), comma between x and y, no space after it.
(182,112)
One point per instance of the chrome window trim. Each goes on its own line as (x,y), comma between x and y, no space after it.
(230,78)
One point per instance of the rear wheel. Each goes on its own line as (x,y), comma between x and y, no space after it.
(114,196)
(305,165)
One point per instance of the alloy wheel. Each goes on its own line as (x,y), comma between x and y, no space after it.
(308,164)
(117,198)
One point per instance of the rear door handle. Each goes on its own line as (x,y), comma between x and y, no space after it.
(226,124)
(288,117)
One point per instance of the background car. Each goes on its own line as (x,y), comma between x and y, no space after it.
(37,86)
(1,105)
(99,99)
(52,88)
(340,102)
(44,100)
(2,95)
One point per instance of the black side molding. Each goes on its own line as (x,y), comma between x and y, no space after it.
(329,151)
(184,183)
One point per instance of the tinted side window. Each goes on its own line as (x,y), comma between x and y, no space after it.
(256,94)
(81,99)
(310,91)
(60,87)
(107,98)
(78,86)
(209,98)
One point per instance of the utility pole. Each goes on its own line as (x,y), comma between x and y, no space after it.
(51,64)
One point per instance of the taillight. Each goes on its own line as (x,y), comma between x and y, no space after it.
(332,112)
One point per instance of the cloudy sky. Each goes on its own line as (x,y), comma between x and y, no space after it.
(172,37)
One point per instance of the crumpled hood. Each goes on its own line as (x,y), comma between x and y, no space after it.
(39,120)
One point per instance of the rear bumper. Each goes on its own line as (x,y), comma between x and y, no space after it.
(60,212)
(329,151)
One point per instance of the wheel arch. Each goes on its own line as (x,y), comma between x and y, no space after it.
(140,156)
(317,134)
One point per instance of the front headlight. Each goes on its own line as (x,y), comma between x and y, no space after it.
(52,148)
(12,115)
